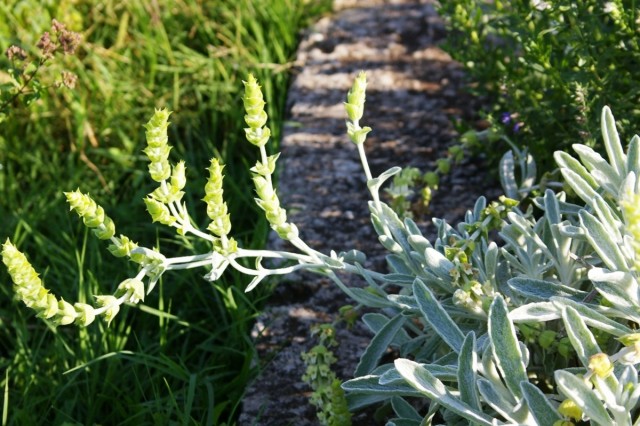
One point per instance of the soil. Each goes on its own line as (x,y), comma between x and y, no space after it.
(414,94)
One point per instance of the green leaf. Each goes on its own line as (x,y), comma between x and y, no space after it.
(540,290)
(437,317)
(467,372)
(581,338)
(419,378)
(591,317)
(602,243)
(579,185)
(566,161)
(537,312)
(584,397)
(600,169)
(403,409)
(633,155)
(495,399)
(612,142)
(378,346)
(505,347)
(541,409)
(508,176)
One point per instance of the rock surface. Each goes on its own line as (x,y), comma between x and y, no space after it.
(415,91)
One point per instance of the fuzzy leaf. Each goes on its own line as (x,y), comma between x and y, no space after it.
(540,407)
(404,409)
(581,338)
(495,399)
(537,312)
(540,290)
(579,185)
(508,176)
(437,317)
(612,142)
(506,349)
(584,397)
(602,242)
(633,155)
(378,346)
(467,372)
(418,377)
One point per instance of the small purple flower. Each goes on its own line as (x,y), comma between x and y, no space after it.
(506,118)
(517,126)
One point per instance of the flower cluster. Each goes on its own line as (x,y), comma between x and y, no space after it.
(256,118)
(355,109)
(92,214)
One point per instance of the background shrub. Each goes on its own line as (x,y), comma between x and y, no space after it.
(548,67)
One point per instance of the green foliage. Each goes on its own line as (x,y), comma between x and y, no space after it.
(327,396)
(133,56)
(548,67)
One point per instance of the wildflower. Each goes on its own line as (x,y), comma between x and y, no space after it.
(568,408)
(505,118)
(15,52)
(601,365)
(256,118)
(69,79)
(46,46)
(216,207)
(630,203)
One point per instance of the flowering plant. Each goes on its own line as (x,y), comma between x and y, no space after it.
(538,330)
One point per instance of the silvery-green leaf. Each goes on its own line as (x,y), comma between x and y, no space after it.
(397,264)
(633,155)
(438,264)
(399,279)
(491,261)
(595,163)
(390,244)
(608,218)
(584,397)
(437,317)
(419,243)
(552,207)
(541,409)
(405,410)
(506,349)
(602,242)
(404,422)
(378,346)
(448,373)
(376,322)
(620,288)
(566,161)
(580,336)
(369,385)
(540,290)
(593,318)
(611,141)
(423,381)
(508,176)
(369,299)
(571,231)
(353,256)
(496,400)
(579,185)
(536,312)
(467,372)
(407,303)
(411,227)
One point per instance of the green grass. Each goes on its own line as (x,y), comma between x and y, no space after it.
(183,357)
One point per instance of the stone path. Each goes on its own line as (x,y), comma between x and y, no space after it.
(414,93)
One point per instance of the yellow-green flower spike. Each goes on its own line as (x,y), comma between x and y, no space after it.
(630,205)
(356,98)
(158,145)
(216,207)
(276,215)
(256,118)
(355,109)
(159,212)
(91,213)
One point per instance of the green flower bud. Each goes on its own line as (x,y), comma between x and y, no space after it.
(258,137)
(601,365)
(256,117)
(112,307)
(66,313)
(157,154)
(122,247)
(159,212)
(92,214)
(216,207)
(443,165)
(178,176)
(157,128)
(49,308)
(568,408)
(356,98)
(136,287)
(86,314)
(160,171)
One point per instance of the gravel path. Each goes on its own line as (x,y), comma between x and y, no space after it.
(415,91)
